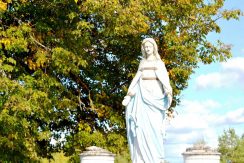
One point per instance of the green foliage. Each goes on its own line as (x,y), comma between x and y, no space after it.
(231,147)
(123,157)
(65,66)
(57,158)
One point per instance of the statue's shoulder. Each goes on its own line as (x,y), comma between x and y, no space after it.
(142,62)
(160,63)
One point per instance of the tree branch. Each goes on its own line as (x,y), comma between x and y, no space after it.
(40,44)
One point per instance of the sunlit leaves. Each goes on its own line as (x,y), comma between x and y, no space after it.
(113,16)
(231,14)
(231,146)
(66,61)
(3,6)
(14,38)
(18,104)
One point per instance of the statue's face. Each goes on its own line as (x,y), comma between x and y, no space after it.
(148,48)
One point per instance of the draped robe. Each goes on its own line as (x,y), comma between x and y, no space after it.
(145,116)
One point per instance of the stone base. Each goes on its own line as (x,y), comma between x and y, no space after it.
(95,154)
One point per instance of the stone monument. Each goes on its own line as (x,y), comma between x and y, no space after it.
(95,154)
(200,153)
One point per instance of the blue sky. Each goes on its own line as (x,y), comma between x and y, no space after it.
(214,99)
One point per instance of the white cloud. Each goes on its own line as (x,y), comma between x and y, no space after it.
(196,121)
(193,121)
(194,116)
(206,119)
(242,50)
(200,116)
(231,118)
(201,107)
(231,72)
(211,80)
(234,64)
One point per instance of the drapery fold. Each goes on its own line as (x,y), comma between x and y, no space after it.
(145,116)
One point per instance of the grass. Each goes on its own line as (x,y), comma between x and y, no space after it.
(57,158)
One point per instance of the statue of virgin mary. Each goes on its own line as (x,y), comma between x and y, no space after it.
(149,96)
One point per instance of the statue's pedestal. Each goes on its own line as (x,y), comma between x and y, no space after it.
(95,154)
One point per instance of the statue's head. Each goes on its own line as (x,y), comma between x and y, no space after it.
(148,41)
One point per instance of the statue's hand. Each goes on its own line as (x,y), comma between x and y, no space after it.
(170,98)
(131,93)
(126,100)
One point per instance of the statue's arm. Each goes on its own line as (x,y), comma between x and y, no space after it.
(134,82)
(163,77)
(131,91)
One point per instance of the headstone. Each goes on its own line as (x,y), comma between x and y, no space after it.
(201,154)
(95,154)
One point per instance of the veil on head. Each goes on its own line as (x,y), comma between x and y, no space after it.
(155,48)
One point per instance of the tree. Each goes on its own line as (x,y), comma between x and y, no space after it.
(65,66)
(231,147)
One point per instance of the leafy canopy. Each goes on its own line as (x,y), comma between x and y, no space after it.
(231,146)
(65,66)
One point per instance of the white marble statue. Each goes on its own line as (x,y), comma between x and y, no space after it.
(149,96)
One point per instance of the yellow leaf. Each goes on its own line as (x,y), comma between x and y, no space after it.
(3,6)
